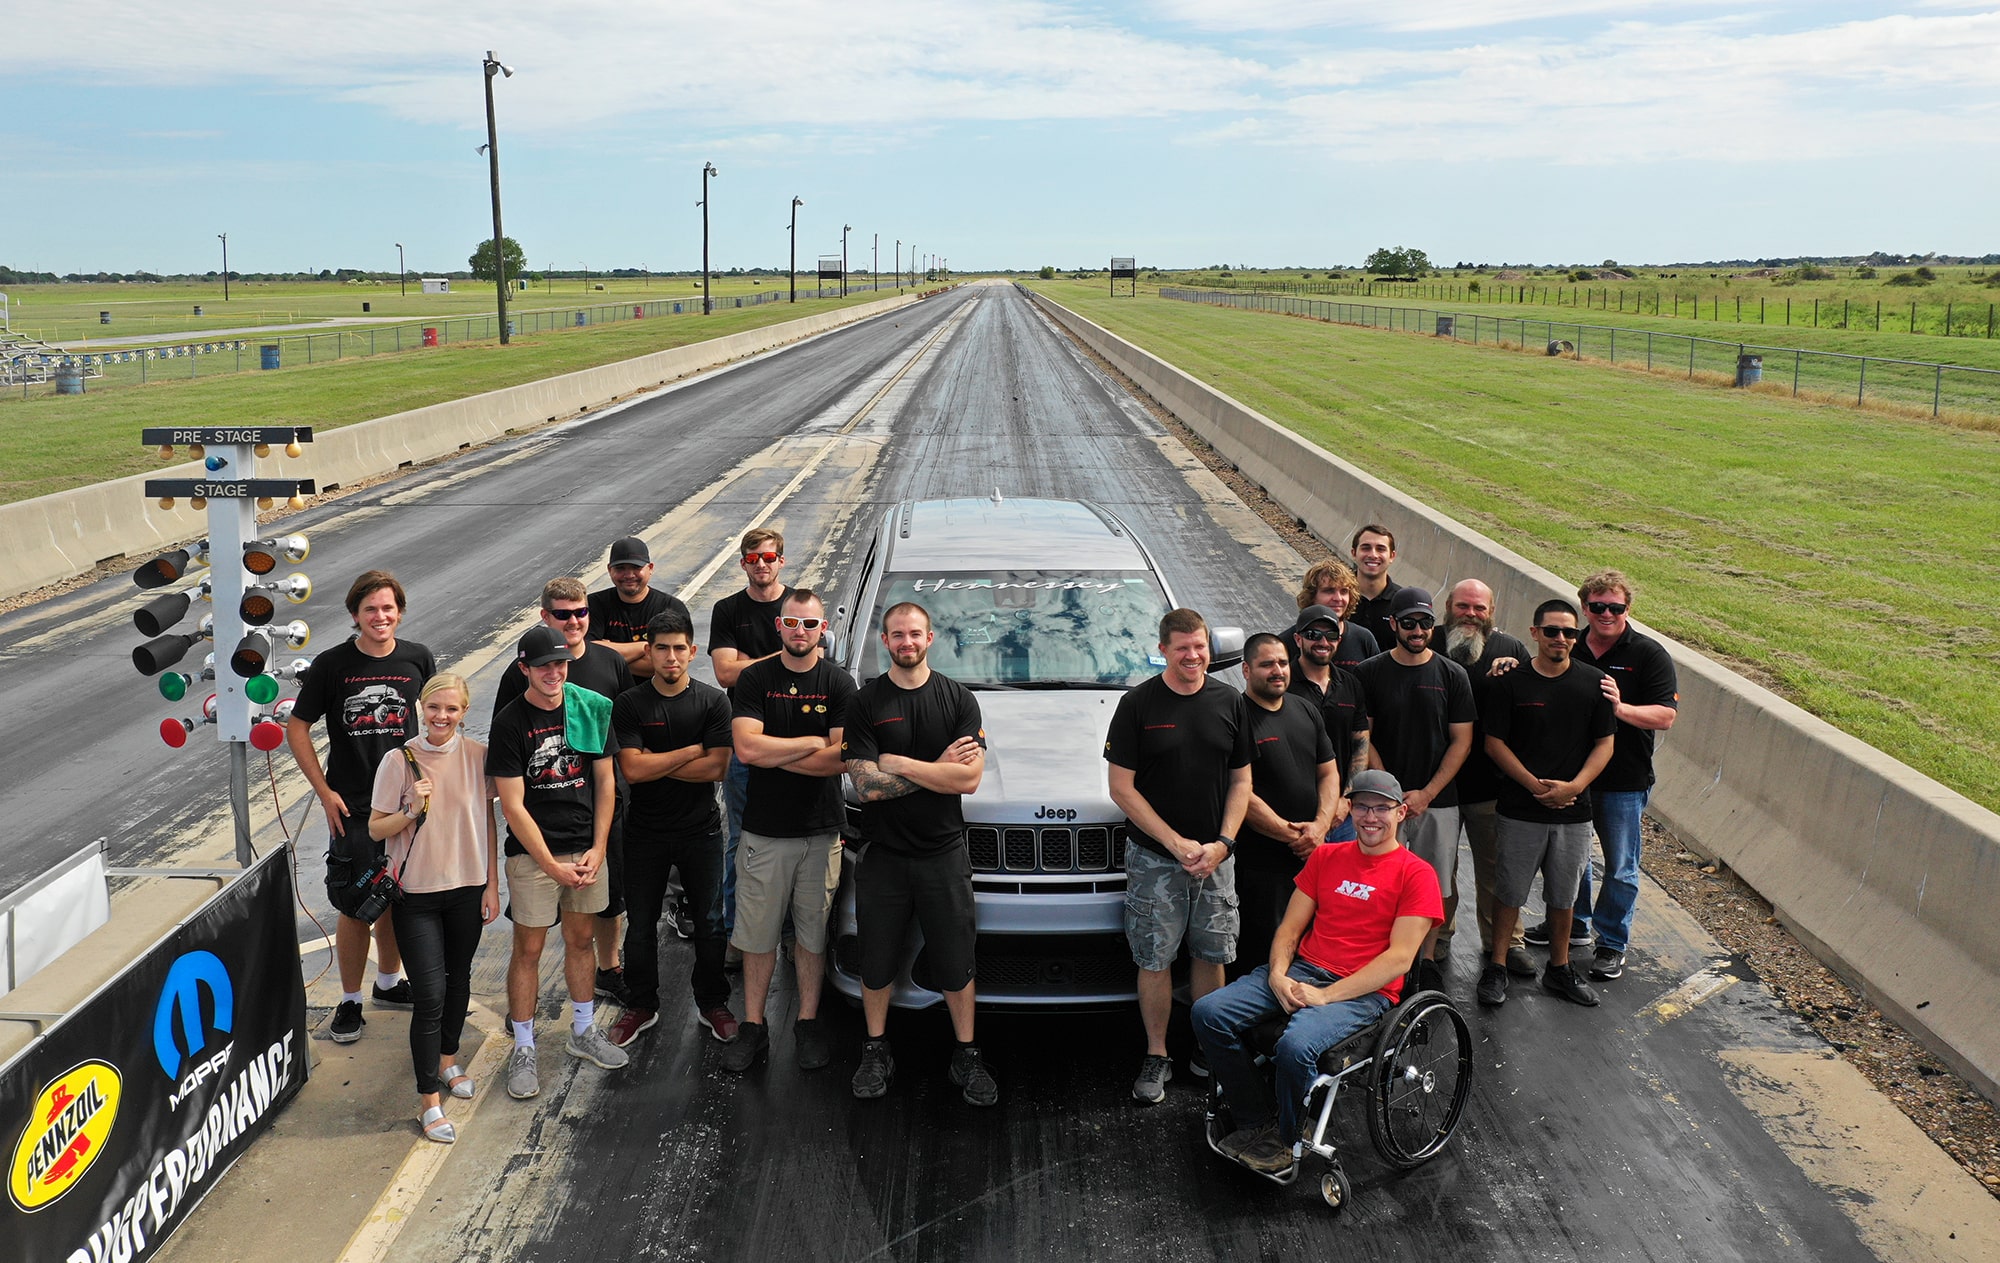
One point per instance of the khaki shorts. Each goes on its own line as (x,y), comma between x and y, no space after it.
(536,900)
(776,875)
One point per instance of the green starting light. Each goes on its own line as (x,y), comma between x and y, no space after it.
(261,689)
(175,684)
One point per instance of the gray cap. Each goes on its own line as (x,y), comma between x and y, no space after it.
(1315,614)
(540,645)
(1377,782)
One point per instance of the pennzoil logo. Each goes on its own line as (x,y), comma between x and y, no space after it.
(65,1134)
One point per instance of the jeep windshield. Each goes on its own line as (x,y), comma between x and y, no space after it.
(1032,628)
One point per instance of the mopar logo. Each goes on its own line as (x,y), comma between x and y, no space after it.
(182,998)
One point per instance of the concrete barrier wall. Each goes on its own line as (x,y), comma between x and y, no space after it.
(1888,875)
(55,537)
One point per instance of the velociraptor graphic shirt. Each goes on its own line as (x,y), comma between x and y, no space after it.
(1356,902)
(780,803)
(558,784)
(370,708)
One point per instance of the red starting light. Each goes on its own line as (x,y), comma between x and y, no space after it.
(265,735)
(175,732)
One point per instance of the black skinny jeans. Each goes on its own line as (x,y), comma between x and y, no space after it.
(649,858)
(438,932)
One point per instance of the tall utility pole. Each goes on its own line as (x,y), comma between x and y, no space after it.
(402,273)
(844,230)
(796,203)
(492,67)
(899,265)
(875,264)
(225,265)
(707,170)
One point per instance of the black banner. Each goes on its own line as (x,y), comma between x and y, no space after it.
(123,1115)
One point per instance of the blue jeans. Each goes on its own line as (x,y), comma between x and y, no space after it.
(1344,831)
(1616,815)
(1221,1019)
(735,792)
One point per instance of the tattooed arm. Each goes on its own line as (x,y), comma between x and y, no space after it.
(873,785)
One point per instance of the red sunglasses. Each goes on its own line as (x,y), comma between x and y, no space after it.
(766,558)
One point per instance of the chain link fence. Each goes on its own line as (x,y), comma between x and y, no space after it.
(1922,385)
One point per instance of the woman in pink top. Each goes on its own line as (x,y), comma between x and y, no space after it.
(432,806)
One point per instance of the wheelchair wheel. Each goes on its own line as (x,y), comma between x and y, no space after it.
(1419,1080)
(1334,1189)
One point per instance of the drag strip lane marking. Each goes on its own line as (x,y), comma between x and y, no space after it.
(1704,985)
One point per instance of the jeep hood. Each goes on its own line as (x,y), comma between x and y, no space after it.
(1045,749)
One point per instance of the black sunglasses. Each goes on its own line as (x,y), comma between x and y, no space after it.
(567,615)
(1411,622)
(1607,607)
(1566,633)
(1315,633)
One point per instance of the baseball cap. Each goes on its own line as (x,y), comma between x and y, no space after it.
(1410,601)
(1377,782)
(539,645)
(1312,614)
(630,551)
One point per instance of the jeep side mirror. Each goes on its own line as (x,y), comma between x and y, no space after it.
(1226,647)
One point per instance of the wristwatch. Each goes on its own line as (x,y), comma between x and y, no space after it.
(1228,842)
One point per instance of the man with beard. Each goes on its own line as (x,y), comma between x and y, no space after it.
(1343,706)
(1331,584)
(1421,709)
(620,614)
(914,749)
(788,716)
(1467,637)
(1373,549)
(1295,784)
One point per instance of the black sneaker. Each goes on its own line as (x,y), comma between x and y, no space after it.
(347,1022)
(751,1045)
(814,1050)
(877,1070)
(396,997)
(1562,980)
(968,1070)
(1607,964)
(1538,935)
(1521,964)
(1493,984)
(682,919)
(611,985)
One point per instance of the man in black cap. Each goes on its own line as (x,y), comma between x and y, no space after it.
(1316,638)
(1421,709)
(620,613)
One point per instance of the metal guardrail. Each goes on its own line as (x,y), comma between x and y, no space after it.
(1921,384)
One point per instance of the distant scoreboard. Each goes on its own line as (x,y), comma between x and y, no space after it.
(1123,269)
(829,268)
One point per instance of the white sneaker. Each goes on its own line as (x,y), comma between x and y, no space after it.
(523,1079)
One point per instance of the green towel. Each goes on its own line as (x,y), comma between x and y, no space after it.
(586,719)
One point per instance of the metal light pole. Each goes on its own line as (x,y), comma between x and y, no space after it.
(402,273)
(225,265)
(707,170)
(875,264)
(899,265)
(586,275)
(844,230)
(492,67)
(796,203)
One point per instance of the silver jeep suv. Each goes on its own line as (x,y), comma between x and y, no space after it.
(1049,610)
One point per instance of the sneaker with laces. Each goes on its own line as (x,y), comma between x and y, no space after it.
(592,1046)
(815,1051)
(1266,1152)
(751,1045)
(720,1022)
(1562,980)
(523,1079)
(1150,1087)
(1493,984)
(629,1024)
(1607,964)
(1520,963)
(1538,935)
(347,1023)
(968,1071)
(877,1070)
(396,997)
(611,985)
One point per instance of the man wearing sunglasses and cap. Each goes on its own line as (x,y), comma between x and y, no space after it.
(1317,676)
(1421,712)
(1358,915)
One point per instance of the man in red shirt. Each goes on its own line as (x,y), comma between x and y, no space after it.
(1334,974)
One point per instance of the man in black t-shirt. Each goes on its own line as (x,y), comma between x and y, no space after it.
(788,714)
(558,796)
(1549,733)
(1295,789)
(1421,708)
(1343,705)
(744,629)
(366,689)
(1179,750)
(1373,549)
(673,744)
(914,748)
(620,614)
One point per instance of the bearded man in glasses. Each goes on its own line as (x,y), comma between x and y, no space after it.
(1421,711)
(788,721)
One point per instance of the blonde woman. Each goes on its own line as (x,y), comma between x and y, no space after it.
(432,808)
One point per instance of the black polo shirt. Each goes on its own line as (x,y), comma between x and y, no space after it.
(1343,708)
(1646,677)
(1371,613)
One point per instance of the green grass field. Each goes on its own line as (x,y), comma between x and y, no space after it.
(52,443)
(69,313)
(1842,557)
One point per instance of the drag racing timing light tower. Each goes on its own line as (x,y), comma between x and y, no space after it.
(244,589)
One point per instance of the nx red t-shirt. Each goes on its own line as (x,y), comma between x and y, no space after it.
(1357,900)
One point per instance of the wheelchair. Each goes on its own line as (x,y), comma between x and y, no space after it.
(1414,1063)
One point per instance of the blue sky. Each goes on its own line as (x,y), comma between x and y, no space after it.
(1000,134)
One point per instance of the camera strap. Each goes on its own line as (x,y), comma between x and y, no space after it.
(423,813)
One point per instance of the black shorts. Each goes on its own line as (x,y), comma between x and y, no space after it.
(891,889)
(343,869)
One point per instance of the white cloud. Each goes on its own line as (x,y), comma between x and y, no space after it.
(1435,15)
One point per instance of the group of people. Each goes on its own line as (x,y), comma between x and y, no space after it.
(1368,735)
